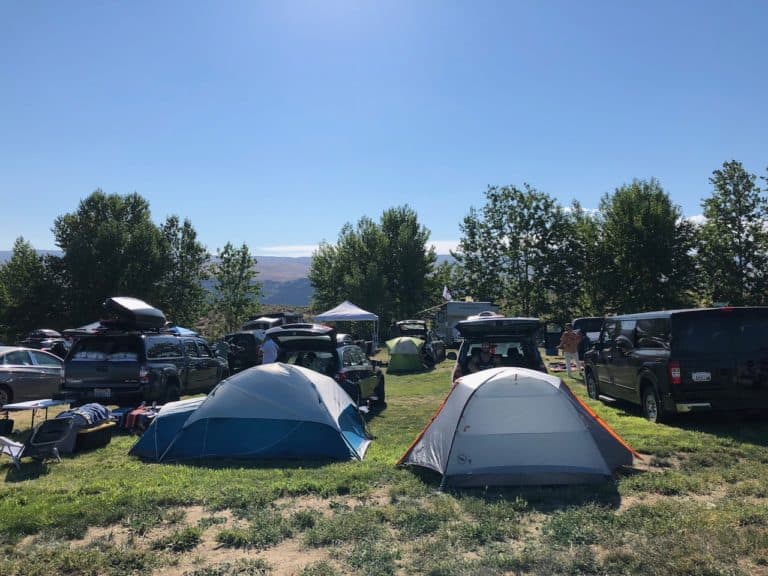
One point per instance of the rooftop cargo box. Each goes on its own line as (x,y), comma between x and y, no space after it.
(126,312)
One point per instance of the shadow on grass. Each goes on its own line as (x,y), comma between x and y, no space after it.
(745,426)
(537,498)
(30,470)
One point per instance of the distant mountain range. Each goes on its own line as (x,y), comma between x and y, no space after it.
(284,280)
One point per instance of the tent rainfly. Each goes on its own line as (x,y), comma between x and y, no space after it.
(275,411)
(348,312)
(514,426)
(405,354)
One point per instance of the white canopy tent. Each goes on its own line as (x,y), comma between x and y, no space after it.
(348,312)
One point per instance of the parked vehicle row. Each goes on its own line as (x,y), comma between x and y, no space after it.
(320,348)
(678,361)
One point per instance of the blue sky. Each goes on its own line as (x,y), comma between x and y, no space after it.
(274,123)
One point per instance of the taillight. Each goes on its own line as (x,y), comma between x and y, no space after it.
(340,377)
(143,375)
(674,373)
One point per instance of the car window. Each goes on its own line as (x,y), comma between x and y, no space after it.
(44,359)
(626,329)
(204,349)
(653,333)
(191,349)
(17,358)
(608,335)
(353,356)
(92,349)
(718,334)
(164,347)
(507,351)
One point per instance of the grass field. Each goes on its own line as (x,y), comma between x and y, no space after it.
(696,505)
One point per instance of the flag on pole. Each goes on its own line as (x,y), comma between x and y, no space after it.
(446,294)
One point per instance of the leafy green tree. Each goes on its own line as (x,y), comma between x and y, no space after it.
(409,261)
(646,260)
(29,292)
(236,289)
(570,278)
(111,248)
(512,251)
(733,251)
(181,294)
(383,267)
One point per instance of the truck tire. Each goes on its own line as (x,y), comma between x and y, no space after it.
(653,409)
(6,396)
(172,391)
(380,394)
(593,390)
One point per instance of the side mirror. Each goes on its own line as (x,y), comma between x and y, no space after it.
(451,356)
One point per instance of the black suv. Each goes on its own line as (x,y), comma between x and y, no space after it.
(317,347)
(682,360)
(512,340)
(129,367)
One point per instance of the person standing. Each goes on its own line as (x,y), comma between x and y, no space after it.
(269,351)
(569,344)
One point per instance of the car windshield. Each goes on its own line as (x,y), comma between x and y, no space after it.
(506,351)
(588,324)
(319,361)
(414,329)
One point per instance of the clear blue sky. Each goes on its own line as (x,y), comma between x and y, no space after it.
(274,123)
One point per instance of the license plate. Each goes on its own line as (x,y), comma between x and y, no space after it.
(701,376)
(102,393)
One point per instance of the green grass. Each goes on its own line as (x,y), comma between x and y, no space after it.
(698,504)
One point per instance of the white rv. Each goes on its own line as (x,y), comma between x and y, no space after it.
(448,314)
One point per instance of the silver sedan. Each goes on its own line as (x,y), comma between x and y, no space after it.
(28,374)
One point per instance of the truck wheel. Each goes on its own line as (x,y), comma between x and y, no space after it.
(6,396)
(653,411)
(171,391)
(380,394)
(593,390)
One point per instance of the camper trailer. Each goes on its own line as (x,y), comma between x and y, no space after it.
(448,314)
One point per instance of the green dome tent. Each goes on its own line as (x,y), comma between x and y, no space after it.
(405,354)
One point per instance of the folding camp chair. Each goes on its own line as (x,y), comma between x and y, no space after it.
(52,438)
(12,449)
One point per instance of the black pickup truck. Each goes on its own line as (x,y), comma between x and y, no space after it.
(129,367)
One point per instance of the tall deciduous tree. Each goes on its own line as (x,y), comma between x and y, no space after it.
(512,250)
(182,296)
(111,248)
(383,267)
(734,244)
(30,292)
(236,289)
(646,258)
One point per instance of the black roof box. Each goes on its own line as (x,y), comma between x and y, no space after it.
(131,313)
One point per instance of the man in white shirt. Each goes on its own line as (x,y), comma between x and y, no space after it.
(269,351)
